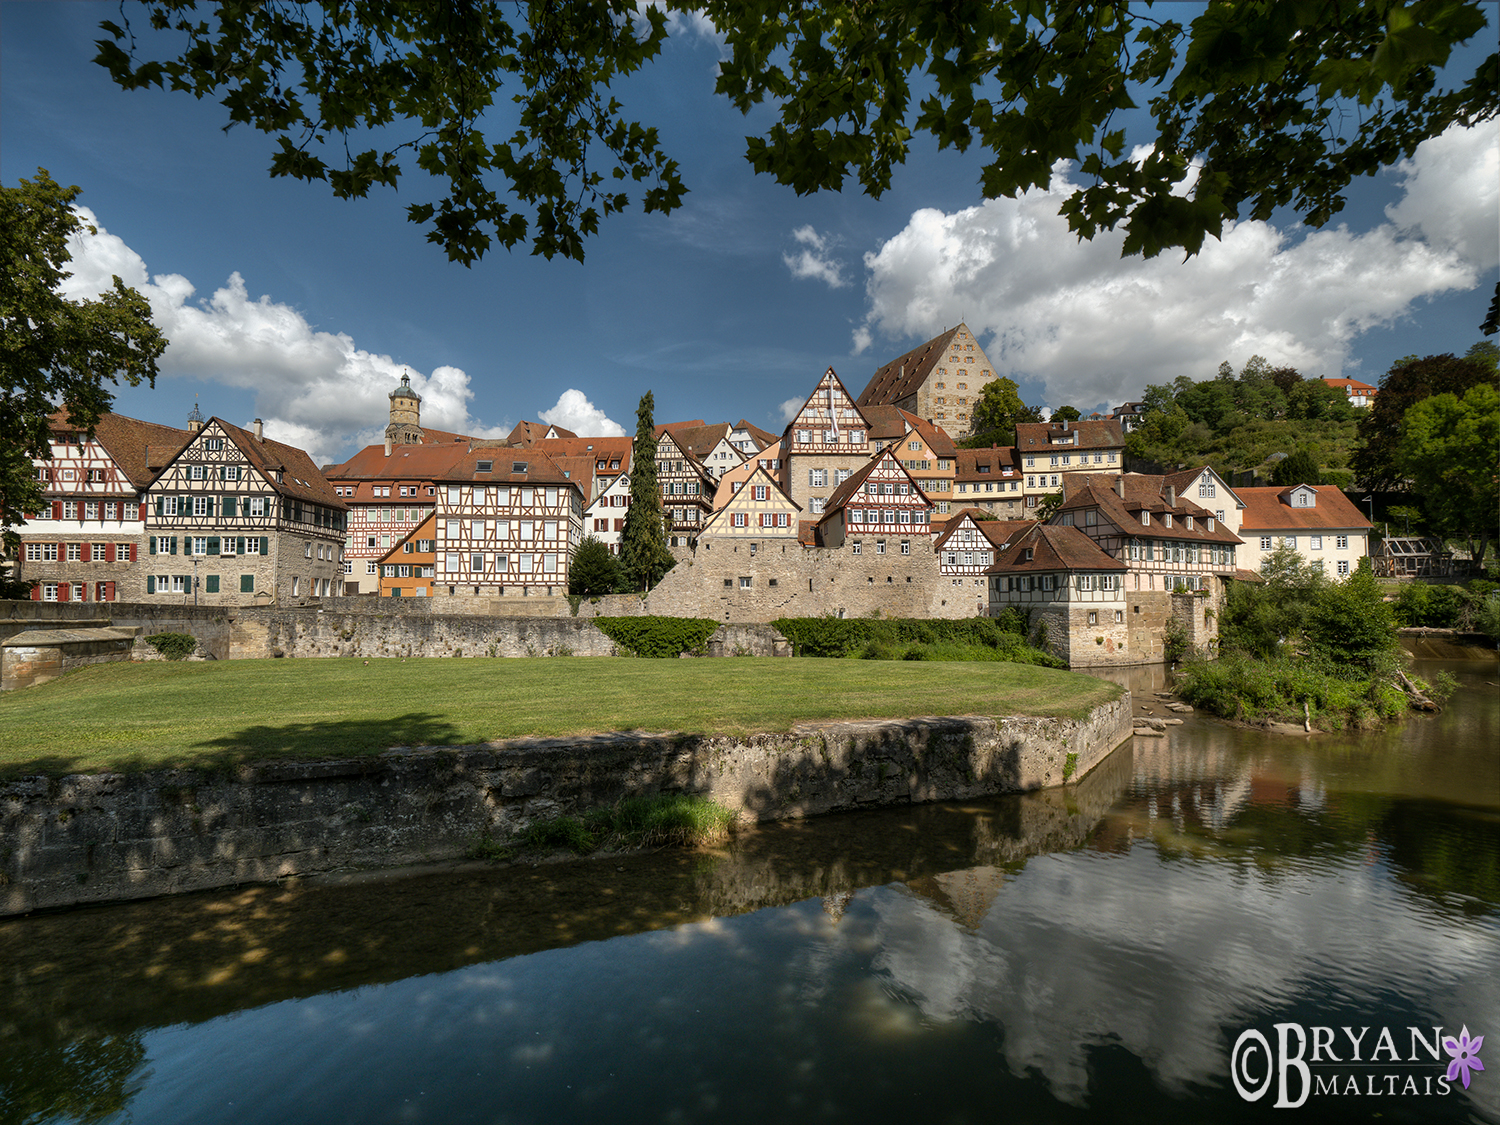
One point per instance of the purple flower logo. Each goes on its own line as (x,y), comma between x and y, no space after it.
(1465,1052)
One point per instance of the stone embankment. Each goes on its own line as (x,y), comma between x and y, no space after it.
(111,837)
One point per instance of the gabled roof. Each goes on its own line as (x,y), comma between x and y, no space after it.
(1185,478)
(901,378)
(599,448)
(996,531)
(300,478)
(1266,509)
(967,463)
(673,427)
(1053,547)
(520,466)
(1036,437)
(1143,493)
(1352,386)
(525,433)
(745,498)
(843,492)
(737,475)
(762,438)
(130,443)
(863,423)
(699,441)
(428,525)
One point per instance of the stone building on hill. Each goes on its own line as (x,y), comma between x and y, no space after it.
(940,380)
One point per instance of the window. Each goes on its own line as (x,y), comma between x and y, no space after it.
(257,506)
(1342,543)
(1265,542)
(906,546)
(739,519)
(200,545)
(816,505)
(817,478)
(1290,541)
(253,545)
(371,568)
(855,546)
(232,472)
(122,552)
(744,582)
(1317,543)
(307,550)
(1093,617)
(880,546)
(1343,567)
(195,472)
(760,491)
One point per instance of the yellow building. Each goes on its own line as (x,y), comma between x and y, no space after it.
(407,569)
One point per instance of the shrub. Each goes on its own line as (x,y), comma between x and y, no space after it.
(667,819)
(174,646)
(658,636)
(902,638)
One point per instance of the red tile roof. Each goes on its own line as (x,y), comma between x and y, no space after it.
(131,442)
(1143,493)
(406,463)
(996,531)
(967,463)
(299,477)
(1052,547)
(1266,510)
(1036,437)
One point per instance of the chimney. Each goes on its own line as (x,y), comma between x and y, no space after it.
(1120,487)
(387,445)
(260,430)
(1171,496)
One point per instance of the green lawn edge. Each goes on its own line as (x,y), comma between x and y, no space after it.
(217,715)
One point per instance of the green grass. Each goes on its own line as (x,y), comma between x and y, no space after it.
(220,714)
(666,819)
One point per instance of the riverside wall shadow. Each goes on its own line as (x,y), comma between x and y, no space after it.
(105,975)
(114,837)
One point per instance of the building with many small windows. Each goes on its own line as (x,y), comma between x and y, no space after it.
(88,541)
(826,442)
(989,479)
(235,518)
(1048,451)
(940,380)
(407,569)
(880,509)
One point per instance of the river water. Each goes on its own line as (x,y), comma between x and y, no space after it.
(1090,953)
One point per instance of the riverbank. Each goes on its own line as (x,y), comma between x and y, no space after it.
(114,836)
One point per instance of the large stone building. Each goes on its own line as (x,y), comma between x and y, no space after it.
(88,541)
(940,380)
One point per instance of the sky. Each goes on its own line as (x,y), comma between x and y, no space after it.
(286,304)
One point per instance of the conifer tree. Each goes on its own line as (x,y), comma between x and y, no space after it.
(643,547)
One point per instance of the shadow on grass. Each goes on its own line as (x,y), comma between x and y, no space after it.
(304,741)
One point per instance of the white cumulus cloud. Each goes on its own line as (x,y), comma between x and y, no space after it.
(1093,326)
(314,389)
(575,412)
(788,409)
(813,260)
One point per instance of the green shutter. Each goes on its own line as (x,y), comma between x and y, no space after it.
(239,545)
(211,584)
(221,472)
(247,583)
(213,548)
(173,545)
(265,545)
(151,544)
(229,507)
(160,504)
(150,583)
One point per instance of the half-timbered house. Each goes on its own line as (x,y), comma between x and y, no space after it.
(759,509)
(879,508)
(235,518)
(604,518)
(407,569)
(924,449)
(966,548)
(87,541)
(825,443)
(687,490)
(508,522)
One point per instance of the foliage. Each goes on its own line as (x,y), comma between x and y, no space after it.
(1427,606)
(644,557)
(57,353)
(996,412)
(666,819)
(897,638)
(1238,686)
(1350,624)
(1258,619)
(593,571)
(174,646)
(1377,463)
(1065,414)
(1174,640)
(658,636)
(16,589)
(1299,468)
(1447,450)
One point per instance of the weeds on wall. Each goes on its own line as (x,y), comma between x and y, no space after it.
(665,820)
(904,638)
(174,646)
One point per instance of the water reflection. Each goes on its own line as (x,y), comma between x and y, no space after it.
(1050,955)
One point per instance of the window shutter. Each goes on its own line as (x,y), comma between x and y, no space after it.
(211,584)
(173,545)
(109,591)
(265,545)
(57,509)
(150,583)
(86,552)
(151,544)
(133,552)
(109,552)
(229,507)
(64,590)
(247,583)
(221,472)
(239,545)
(213,548)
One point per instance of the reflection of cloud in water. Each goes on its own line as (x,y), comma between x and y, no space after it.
(1083,950)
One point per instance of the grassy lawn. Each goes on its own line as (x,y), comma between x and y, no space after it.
(146,716)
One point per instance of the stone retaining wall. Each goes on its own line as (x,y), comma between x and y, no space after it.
(111,837)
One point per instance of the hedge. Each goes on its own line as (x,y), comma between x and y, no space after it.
(658,636)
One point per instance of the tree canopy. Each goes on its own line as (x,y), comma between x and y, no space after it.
(56,353)
(996,412)
(1407,383)
(1253,106)
(1447,450)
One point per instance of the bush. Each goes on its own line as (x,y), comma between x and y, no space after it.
(663,637)
(901,638)
(174,646)
(667,819)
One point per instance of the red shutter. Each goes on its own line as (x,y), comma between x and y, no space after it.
(36,592)
(109,552)
(64,591)
(109,591)
(133,549)
(57,509)
(86,552)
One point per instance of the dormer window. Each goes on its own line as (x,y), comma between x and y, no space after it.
(1145,519)
(1210,523)
(485,467)
(1166,519)
(1189,523)
(518,466)
(1026,555)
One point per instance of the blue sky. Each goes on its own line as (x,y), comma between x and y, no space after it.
(284,303)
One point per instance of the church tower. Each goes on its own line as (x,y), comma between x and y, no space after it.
(406,415)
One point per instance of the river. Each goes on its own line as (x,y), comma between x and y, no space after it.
(1094,953)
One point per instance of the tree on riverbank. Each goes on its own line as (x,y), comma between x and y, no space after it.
(644,557)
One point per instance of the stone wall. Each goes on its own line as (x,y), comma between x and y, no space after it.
(110,837)
(210,624)
(38,655)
